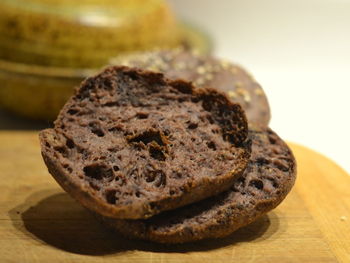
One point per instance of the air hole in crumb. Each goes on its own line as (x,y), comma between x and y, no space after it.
(72,111)
(116,168)
(98,132)
(67,167)
(272,140)
(156,177)
(116,128)
(150,177)
(107,84)
(112,149)
(61,150)
(111,104)
(126,194)
(193,126)
(156,153)
(96,129)
(275,184)
(171,192)
(111,196)
(195,99)
(211,145)
(166,132)
(193,139)
(47,145)
(161,181)
(70,144)
(210,119)
(147,137)
(240,181)
(142,115)
(257,184)
(262,161)
(137,194)
(98,172)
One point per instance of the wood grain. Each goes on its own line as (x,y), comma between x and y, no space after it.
(41,223)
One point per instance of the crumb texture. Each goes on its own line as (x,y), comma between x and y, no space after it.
(207,71)
(264,184)
(138,142)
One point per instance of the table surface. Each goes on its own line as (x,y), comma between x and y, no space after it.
(299,51)
(41,223)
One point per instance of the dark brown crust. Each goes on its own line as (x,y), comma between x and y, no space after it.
(267,180)
(207,71)
(52,140)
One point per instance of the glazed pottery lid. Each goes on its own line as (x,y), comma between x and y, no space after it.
(83,33)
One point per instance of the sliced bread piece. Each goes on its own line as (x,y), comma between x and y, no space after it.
(267,180)
(207,71)
(131,143)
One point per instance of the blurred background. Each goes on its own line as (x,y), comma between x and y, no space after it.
(299,51)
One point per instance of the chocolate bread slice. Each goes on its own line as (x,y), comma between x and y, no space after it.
(207,71)
(131,143)
(267,180)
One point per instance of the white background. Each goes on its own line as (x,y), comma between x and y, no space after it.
(299,51)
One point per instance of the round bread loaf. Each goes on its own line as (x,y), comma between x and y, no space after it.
(269,177)
(84,33)
(207,71)
(132,143)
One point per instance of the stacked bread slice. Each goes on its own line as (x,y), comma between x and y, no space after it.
(160,148)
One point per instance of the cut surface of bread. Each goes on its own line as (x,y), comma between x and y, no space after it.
(267,180)
(207,71)
(132,143)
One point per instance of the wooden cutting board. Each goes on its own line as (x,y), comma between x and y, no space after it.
(41,223)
